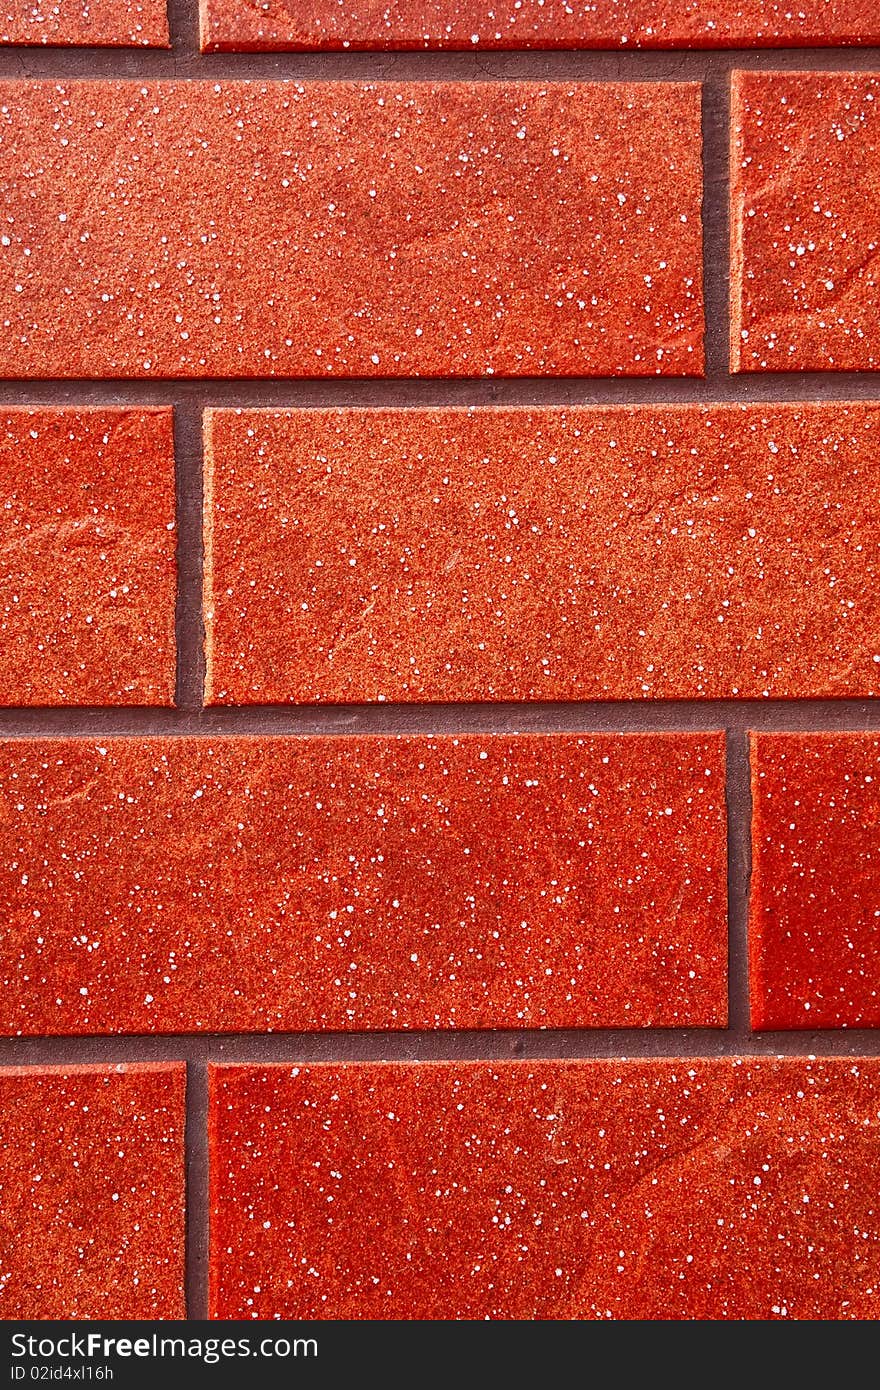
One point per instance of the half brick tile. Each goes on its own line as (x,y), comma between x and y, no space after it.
(391,229)
(92,1192)
(87,557)
(805,242)
(266,884)
(670,1188)
(564,554)
(815,900)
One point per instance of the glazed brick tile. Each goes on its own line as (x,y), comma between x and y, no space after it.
(550,554)
(805,245)
(87,557)
(107,23)
(815,905)
(92,1192)
(327,24)
(323,883)
(191,229)
(669,1189)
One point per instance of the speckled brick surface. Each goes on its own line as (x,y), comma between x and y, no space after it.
(546,1190)
(91,1192)
(87,557)
(494,240)
(113,23)
(273,24)
(634,553)
(439,660)
(805,161)
(815,925)
(237,885)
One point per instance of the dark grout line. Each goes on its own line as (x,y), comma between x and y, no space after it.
(716,258)
(762,388)
(188,456)
(189,474)
(197,1191)
(185,61)
(183,25)
(262,1049)
(739,825)
(509,718)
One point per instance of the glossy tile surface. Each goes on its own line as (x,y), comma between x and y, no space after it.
(112,23)
(805,163)
(669,1188)
(269,884)
(630,553)
(92,1192)
(351,229)
(87,557)
(815,904)
(476,24)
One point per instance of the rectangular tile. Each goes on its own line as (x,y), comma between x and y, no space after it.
(814,928)
(87,557)
(92,1192)
(283,884)
(388,229)
(648,552)
(668,1189)
(805,242)
(108,23)
(339,24)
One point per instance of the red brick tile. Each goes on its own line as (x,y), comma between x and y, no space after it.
(276,229)
(669,1188)
(87,557)
(241,24)
(248,884)
(628,553)
(815,906)
(110,23)
(92,1192)
(805,167)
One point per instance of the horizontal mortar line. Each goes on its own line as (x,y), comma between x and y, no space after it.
(776,388)
(185,62)
(439,1045)
(482,717)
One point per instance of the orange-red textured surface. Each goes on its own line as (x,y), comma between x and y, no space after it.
(178,885)
(669,1188)
(87,557)
(805,166)
(815,904)
(626,553)
(111,23)
(92,1192)
(270,24)
(281,229)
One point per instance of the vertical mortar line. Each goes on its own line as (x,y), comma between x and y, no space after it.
(183,25)
(716,243)
(739,867)
(197,1196)
(188,456)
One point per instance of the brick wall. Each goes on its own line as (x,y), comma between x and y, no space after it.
(439,759)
